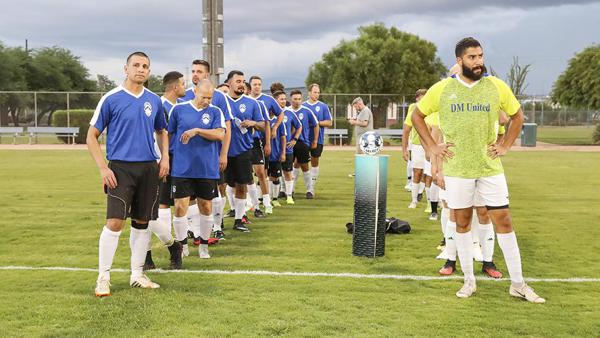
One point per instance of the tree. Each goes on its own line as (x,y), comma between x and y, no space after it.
(12,78)
(380,60)
(105,84)
(579,85)
(517,76)
(154,83)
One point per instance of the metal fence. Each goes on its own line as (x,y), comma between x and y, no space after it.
(26,108)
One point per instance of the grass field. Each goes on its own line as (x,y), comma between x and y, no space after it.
(53,209)
(577,135)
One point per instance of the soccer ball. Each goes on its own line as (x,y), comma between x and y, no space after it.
(371,143)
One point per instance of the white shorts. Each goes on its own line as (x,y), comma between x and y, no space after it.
(427,169)
(464,193)
(443,196)
(417,156)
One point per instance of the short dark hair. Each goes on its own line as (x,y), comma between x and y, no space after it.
(202,63)
(465,43)
(276,86)
(254,77)
(277,93)
(295,92)
(142,54)
(223,85)
(248,86)
(420,92)
(310,87)
(233,73)
(171,77)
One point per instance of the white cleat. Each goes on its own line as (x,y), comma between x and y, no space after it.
(103,287)
(185,251)
(203,252)
(467,290)
(412,205)
(477,255)
(526,292)
(269,210)
(408,186)
(142,282)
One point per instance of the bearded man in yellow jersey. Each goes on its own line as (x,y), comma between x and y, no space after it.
(469,105)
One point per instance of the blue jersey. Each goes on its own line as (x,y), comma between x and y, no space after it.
(168,108)
(308,120)
(322,113)
(130,121)
(276,146)
(290,120)
(199,158)
(265,115)
(242,108)
(189,95)
(271,104)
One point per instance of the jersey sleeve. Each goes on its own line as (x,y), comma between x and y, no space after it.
(296,121)
(101,116)
(219,100)
(277,110)
(160,122)
(326,113)
(312,118)
(430,103)
(172,127)
(257,112)
(508,101)
(411,108)
(433,119)
(218,119)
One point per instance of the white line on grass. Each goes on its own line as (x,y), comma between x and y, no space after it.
(309,274)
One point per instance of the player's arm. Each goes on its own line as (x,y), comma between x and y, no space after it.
(437,164)
(294,139)
(514,129)
(108,177)
(162,139)
(327,120)
(405,137)
(225,146)
(418,122)
(217,134)
(282,140)
(278,122)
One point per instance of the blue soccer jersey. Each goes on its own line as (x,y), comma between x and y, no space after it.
(322,113)
(168,108)
(265,115)
(308,120)
(242,108)
(189,95)
(199,158)
(276,146)
(290,120)
(271,104)
(130,121)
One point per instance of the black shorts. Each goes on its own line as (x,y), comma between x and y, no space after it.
(274,169)
(317,151)
(221,178)
(202,188)
(239,169)
(136,194)
(302,152)
(288,164)
(258,155)
(164,188)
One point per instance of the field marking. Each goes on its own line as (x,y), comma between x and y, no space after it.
(312,274)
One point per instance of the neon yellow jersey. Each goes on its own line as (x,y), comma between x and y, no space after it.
(501,130)
(468,118)
(414,136)
(433,120)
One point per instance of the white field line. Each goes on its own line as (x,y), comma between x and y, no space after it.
(310,274)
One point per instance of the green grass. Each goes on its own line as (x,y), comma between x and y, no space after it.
(577,135)
(53,209)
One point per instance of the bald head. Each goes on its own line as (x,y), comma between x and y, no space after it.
(204,92)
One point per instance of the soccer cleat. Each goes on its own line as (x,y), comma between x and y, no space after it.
(477,255)
(408,186)
(239,225)
(412,205)
(442,244)
(175,250)
(309,195)
(281,194)
(419,197)
(448,269)
(197,241)
(489,268)
(467,290)
(219,234)
(203,252)
(259,214)
(185,250)
(149,263)
(190,234)
(142,282)
(526,292)
(290,200)
(433,216)
(276,203)
(245,220)
(103,287)
(230,213)
(428,209)
(269,210)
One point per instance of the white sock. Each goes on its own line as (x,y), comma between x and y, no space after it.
(464,247)
(162,231)
(240,207)
(107,246)
(253,195)
(487,241)
(414,191)
(451,240)
(276,188)
(434,193)
(289,188)
(475,229)
(180,226)
(206,223)
(138,242)
(271,189)
(267,200)
(195,221)
(427,194)
(230,192)
(314,174)
(421,187)
(409,170)
(512,256)
(218,204)
(296,173)
(282,185)
(307,181)
(444,218)
(164,215)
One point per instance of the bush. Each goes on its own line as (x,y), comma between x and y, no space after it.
(596,136)
(77,118)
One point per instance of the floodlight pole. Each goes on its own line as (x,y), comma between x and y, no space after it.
(212,37)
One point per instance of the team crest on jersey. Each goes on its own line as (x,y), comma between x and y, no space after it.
(147,108)
(452,97)
(318,109)
(243,108)
(205,118)
(301,116)
(285,119)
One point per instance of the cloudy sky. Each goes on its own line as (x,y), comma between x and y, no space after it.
(279,40)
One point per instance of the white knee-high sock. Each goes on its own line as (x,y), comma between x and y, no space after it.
(427,194)
(296,173)
(314,175)
(475,229)
(307,180)
(276,189)
(253,194)
(206,224)
(195,222)
(107,246)
(434,193)
(421,187)
(409,170)
(487,241)
(464,247)
(289,188)
(451,240)
(414,191)
(180,227)
(192,214)
(162,231)
(216,212)
(444,218)
(240,207)
(138,242)
(267,200)
(164,215)
(512,256)
(271,189)
(230,192)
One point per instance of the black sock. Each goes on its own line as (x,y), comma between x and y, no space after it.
(434,207)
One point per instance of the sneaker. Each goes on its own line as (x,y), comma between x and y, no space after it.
(219,234)
(203,252)
(103,287)
(310,195)
(269,210)
(276,203)
(408,186)
(526,292)
(185,250)
(259,214)
(290,200)
(190,234)
(245,220)
(467,290)
(281,194)
(142,282)
(448,269)
(428,209)
(419,197)
(230,213)
(149,263)
(477,255)
(412,205)
(442,244)
(175,251)
(433,216)
(197,241)
(489,268)
(239,225)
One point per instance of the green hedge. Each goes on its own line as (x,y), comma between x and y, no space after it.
(77,118)
(596,135)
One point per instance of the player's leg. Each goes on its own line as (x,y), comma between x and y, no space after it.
(206,191)
(219,209)
(418,159)
(240,176)
(487,240)
(288,177)
(428,181)
(315,155)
